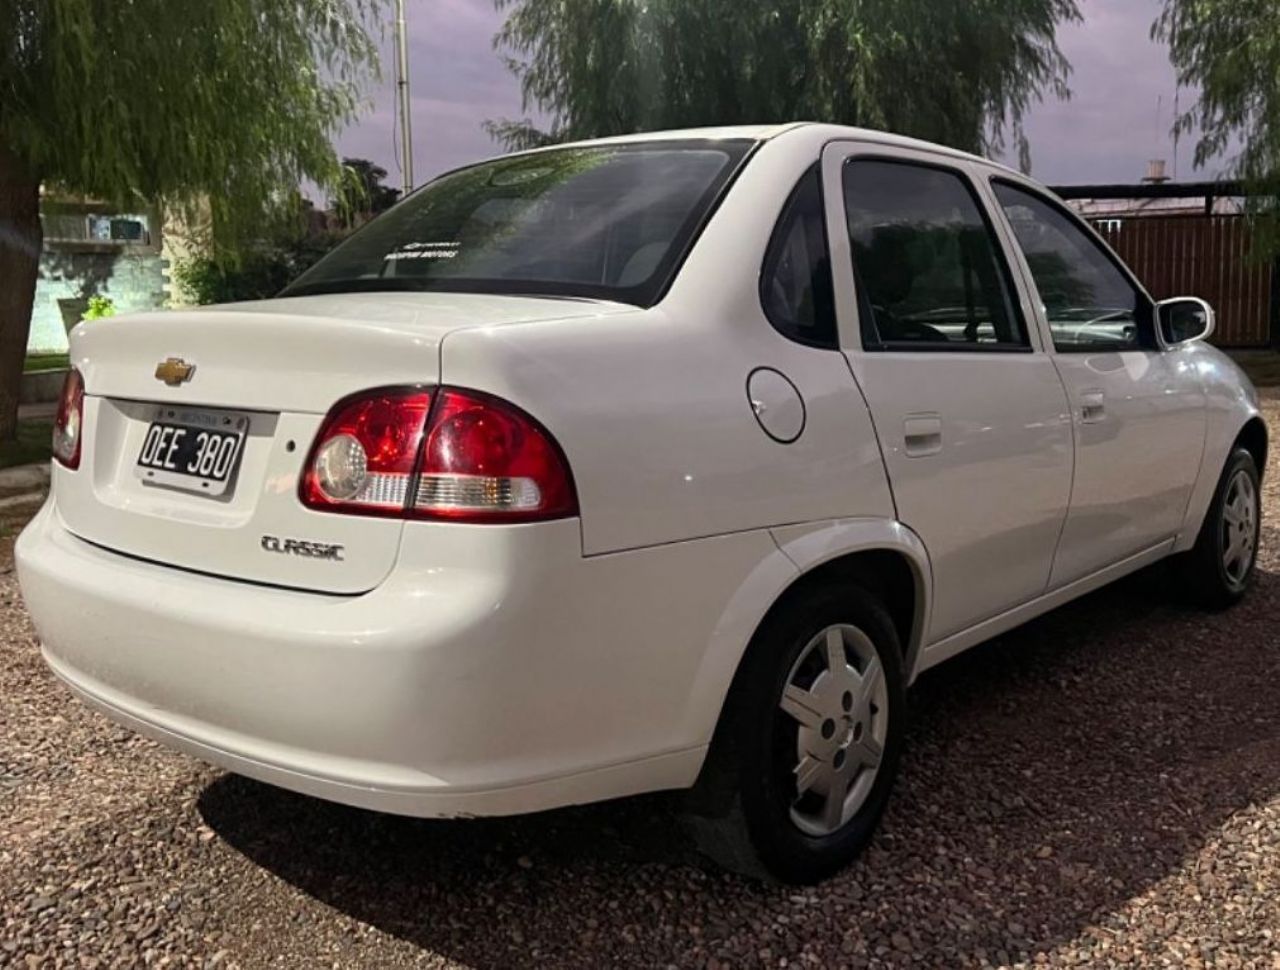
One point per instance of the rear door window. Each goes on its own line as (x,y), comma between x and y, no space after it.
(929,271)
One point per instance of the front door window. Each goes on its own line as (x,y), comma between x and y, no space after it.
(1090,304)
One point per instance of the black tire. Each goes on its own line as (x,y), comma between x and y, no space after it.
(1206,577)
(742,807)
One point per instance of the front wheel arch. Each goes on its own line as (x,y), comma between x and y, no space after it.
(1203,571)
(1253,438)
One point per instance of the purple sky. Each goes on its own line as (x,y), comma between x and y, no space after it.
(1105,133)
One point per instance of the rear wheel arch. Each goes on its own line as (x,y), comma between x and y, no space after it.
(894,577)
(888,574)
(881,589)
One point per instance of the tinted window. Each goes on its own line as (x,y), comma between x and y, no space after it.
(609,222)
(795,286)
(1090,303)
(929,272)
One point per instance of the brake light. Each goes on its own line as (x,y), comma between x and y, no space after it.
(364,457)
(486,460)
(70,420)
(449,454)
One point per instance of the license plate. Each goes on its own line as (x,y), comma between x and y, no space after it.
(196,450)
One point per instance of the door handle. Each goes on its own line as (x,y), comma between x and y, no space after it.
(922,435)
(1093,407)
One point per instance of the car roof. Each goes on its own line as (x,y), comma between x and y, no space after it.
(715,133)
(818,131)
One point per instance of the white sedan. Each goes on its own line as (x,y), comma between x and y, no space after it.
(655,462)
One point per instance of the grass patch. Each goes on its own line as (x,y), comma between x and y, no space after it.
(32,444)
(41,362)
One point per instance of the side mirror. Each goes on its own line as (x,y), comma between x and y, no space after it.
(1183,318)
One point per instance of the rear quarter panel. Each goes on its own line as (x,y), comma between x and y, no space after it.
(651,406)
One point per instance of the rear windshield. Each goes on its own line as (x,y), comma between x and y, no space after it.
(607,222)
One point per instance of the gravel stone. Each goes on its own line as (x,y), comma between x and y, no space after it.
(1100,788)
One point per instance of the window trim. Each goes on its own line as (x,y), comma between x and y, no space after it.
(773,244)
(871,343)
(1149,339)
(949,347)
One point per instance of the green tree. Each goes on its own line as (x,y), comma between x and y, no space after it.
(362,194)
(953,71)
(258,274)
(1230,51)
(265,265)
(232,102)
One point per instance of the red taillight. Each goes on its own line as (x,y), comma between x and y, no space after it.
(487,461)
(448,454)
(70,420)
(364,457)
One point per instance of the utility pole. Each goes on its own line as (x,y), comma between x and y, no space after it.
(402,96)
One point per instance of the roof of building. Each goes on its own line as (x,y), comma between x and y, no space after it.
(1155,199)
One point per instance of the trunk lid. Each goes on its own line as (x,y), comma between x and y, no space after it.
(271,369)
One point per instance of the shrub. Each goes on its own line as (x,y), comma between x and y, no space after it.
(257,275)
(99,307)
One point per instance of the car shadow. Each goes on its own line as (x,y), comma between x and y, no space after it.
(1052,775)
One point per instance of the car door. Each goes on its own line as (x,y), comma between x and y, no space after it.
(971,416)
(1138,411)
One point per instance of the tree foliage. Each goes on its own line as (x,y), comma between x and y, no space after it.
(1229,50)
(226,105)
(283,250)
(236,101)
(954,71)
(258,274)
(362,194)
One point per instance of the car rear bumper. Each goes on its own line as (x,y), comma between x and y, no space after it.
(365,785)
(501,674)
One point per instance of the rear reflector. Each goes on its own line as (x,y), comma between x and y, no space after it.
(447,454)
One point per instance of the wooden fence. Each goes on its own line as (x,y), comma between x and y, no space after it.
(1205,256)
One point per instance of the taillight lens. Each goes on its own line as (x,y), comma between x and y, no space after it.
(70,420)
(449,454)
(363,459)
(486,460)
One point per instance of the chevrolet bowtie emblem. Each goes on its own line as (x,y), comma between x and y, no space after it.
(174,371)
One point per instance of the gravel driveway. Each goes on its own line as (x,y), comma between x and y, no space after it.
(1099,788)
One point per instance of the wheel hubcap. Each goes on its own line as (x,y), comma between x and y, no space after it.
(837,696)
(1239,526)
